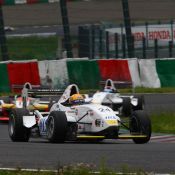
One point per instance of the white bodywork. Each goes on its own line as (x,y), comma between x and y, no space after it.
(86,115)
(107,97)
(29,121)
(110,95)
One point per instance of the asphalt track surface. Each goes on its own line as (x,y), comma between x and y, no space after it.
(157,156)
(88,12)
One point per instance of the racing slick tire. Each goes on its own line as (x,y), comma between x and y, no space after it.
(140,123)
(57,127)
(126,107)
(17,132)
(141,102)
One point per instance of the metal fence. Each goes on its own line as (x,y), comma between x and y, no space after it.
(109,41)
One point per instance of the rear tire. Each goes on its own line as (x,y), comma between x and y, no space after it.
(141,102)
(57,127)
(140,124)
(17,132)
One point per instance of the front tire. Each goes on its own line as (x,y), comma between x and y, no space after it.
(57,127)
(17,132)
(140,124)
(126,107)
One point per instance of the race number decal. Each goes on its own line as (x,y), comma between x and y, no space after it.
(104,109)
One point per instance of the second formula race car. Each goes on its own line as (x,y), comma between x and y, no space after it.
(110,96)
(32,103)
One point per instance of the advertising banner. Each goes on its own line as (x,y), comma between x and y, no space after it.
(162,32)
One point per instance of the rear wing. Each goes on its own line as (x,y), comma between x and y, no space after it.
(38,93)
(19,87)
(118,84)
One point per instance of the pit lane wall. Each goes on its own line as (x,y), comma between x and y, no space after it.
(87,74)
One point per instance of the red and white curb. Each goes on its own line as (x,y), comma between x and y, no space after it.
(163,138)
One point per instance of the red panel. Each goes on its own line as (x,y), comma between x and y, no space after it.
(20,73)
(4,118)
(1,2)
(117,70)
(32,1)
(34,73)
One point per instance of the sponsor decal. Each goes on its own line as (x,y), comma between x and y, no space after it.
(110,117)
(112,122)
(99,123)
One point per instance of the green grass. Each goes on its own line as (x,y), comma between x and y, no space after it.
(19,172)
(139,90)
(78,169)
(35,47)
(149,90)
(24,48)
(163,123)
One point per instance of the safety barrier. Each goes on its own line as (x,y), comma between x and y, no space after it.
(21,72)
(15,2)
(87,74)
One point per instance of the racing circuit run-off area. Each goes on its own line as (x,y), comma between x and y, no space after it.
(87,82)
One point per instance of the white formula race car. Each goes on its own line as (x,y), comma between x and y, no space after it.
(111,97)
(74,122)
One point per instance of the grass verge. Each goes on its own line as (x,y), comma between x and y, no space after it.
(149,90)
(33,47)
(163,122)
(140,90)
(78,169)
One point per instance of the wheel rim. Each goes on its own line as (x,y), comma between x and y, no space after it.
(50,129)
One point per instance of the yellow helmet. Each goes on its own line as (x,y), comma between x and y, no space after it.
(76,99)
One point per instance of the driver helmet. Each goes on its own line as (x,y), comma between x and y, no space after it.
(76,99)
(108,89)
